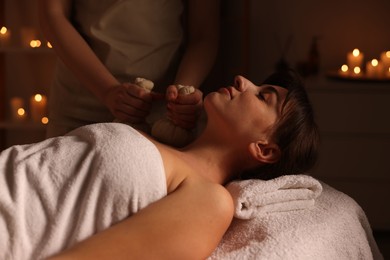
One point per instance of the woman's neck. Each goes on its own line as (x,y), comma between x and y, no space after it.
(212,159)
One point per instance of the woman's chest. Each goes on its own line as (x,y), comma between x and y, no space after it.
(177,170)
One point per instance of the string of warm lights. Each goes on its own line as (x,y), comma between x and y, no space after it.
(38,109)
(5,36)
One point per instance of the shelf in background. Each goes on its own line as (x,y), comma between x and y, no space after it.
(325,84)
(26,50)
(22,126)
(362,78)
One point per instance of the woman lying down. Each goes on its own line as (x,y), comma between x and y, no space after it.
(106,191)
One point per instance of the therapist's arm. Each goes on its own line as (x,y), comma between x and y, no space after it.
(203,34)
(125,101)
(202,43)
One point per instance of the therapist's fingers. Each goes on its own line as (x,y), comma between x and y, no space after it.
(185,109)
(187,104)
(136,92)
(130,103)
(190,99)
(185,116)
(171,93)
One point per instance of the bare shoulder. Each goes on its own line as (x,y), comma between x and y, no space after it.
(210,197)
(208,207)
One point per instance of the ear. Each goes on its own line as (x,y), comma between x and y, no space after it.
(265,152)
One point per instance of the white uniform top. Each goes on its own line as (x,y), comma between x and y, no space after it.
(65,189)
(133,38)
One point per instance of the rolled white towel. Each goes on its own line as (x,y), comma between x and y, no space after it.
(256,197)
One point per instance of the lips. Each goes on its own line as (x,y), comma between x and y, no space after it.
(225,91)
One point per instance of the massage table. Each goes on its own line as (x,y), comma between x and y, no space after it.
(302,218)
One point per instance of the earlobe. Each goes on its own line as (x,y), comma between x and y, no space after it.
(265,152)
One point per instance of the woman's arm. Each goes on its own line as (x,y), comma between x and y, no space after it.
(77,55)
(187,224)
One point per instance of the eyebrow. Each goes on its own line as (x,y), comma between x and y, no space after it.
(271,89)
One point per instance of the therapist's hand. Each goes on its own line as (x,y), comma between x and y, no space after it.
(184,110)
(129,102)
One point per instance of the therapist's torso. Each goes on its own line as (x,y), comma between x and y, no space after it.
(133,38)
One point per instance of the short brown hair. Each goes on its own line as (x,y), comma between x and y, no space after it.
(295,132)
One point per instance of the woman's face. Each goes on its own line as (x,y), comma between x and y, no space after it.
(245,108)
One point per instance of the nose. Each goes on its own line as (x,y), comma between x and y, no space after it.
(239,83)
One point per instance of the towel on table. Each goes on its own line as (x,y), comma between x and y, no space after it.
(335,228)
(257,197)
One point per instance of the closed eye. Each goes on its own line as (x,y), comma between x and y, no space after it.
(267,93)
(261,96)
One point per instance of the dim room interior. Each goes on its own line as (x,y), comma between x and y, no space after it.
(341,49)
